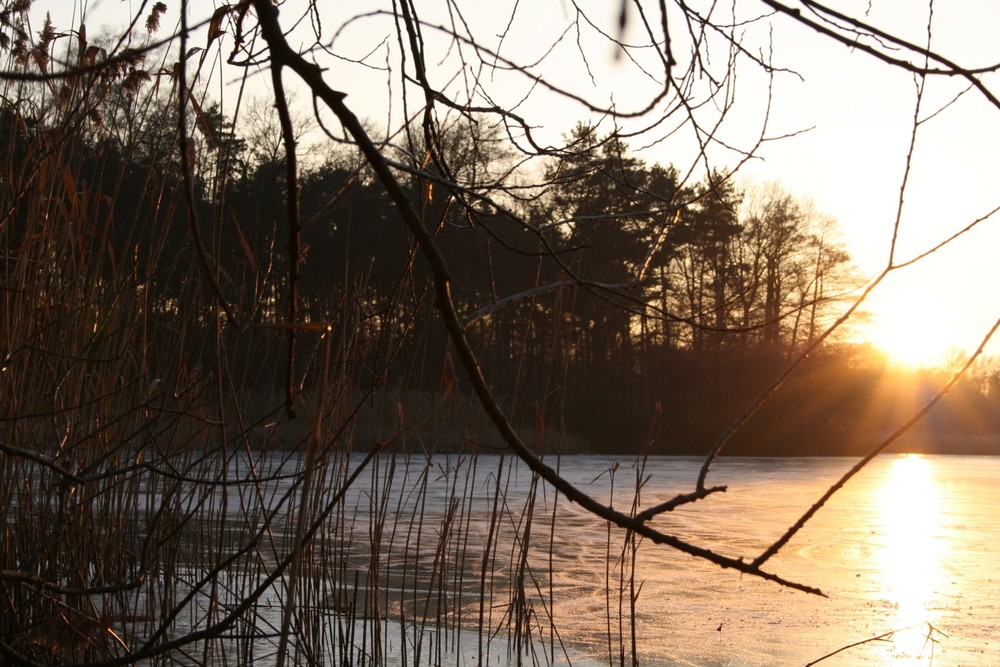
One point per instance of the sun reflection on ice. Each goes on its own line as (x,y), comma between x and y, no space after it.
(910,562)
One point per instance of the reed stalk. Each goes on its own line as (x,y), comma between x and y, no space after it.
(203,462)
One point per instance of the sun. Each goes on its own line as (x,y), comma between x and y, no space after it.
(912,336)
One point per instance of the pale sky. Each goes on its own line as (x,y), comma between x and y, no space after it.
(851,163)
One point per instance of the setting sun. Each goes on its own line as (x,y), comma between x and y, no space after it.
(911,342)
(910,336)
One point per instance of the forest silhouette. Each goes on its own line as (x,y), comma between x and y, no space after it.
(641,350)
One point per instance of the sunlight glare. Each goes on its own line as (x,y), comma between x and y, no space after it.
(911,336)
(909,560)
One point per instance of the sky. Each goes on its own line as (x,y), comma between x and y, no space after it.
(851,162)
(850,117)
(853,165)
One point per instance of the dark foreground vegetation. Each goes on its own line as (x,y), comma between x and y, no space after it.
(180,296)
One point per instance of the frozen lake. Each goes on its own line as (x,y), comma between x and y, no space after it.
(907,551)
(909,542)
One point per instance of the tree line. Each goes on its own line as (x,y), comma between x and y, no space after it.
(605,294)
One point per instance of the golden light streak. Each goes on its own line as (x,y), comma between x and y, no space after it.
(910,560)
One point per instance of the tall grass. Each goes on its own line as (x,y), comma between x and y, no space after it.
(160,504)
